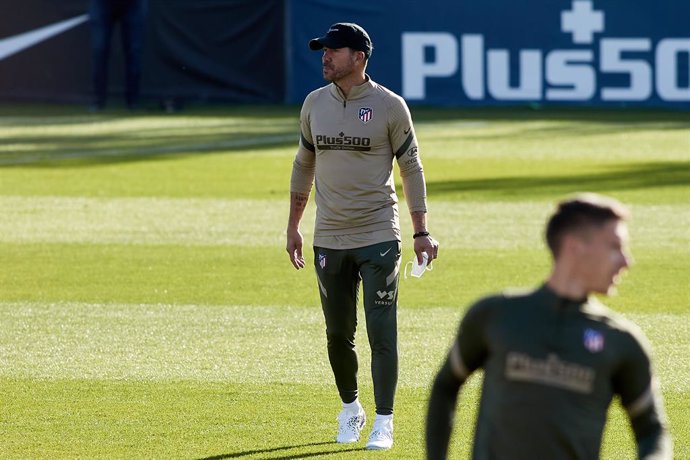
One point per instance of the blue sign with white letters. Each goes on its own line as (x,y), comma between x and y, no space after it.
(499,52)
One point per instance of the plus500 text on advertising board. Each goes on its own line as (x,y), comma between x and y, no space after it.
(571,52)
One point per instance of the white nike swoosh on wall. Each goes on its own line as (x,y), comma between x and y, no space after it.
(17,43)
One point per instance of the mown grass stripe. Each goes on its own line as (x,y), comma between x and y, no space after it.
(199,221)
(243,344)
(145,151)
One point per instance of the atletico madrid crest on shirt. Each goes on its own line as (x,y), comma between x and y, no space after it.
(365,114)
(594,340)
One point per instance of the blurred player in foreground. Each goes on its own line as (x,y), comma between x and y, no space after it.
(554,358)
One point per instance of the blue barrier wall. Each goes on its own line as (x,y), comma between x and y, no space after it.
(432,52)
(499,52)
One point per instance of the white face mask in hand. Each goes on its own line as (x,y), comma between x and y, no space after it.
(417,269)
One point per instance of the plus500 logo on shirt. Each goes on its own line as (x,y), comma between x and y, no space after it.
(636,68)
(342,142)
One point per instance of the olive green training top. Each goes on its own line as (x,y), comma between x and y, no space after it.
(551,368)
(347,148)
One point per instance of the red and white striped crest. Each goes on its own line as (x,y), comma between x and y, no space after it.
(365,114)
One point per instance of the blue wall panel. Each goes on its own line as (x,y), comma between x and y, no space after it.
(499,52)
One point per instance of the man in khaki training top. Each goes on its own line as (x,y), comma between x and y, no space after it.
(351,131)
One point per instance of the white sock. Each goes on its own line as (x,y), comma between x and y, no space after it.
(353,406)
(383,418)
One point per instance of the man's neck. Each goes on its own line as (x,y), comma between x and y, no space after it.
(564,284)
(350,82)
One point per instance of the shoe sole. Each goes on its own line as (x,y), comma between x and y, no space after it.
(377,447)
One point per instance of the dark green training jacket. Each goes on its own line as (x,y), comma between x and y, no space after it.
(551,368)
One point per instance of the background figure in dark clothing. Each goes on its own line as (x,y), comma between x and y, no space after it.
(105,15)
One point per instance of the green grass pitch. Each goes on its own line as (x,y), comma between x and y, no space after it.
(148,308)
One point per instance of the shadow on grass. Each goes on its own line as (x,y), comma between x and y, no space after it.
(631,177)
(39,114)
(284,448)
(269,127)
(122,137)
(79,151)
(608,116)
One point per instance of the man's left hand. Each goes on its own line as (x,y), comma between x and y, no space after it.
(426,244)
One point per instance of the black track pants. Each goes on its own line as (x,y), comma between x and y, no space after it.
(338,275)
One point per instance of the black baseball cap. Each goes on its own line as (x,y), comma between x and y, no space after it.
(344,35)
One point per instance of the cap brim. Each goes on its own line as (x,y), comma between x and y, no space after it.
(316,44)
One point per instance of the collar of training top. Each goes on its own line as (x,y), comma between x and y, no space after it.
(356,92)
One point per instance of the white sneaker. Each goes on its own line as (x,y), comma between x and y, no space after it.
(381,436)
(350,424)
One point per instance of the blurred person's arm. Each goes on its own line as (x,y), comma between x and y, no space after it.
(468,352)
(641,398)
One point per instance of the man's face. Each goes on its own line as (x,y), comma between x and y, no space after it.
(603,255)
(338,63)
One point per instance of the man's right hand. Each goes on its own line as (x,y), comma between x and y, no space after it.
(294,247)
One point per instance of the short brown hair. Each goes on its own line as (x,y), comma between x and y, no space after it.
(580,211)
